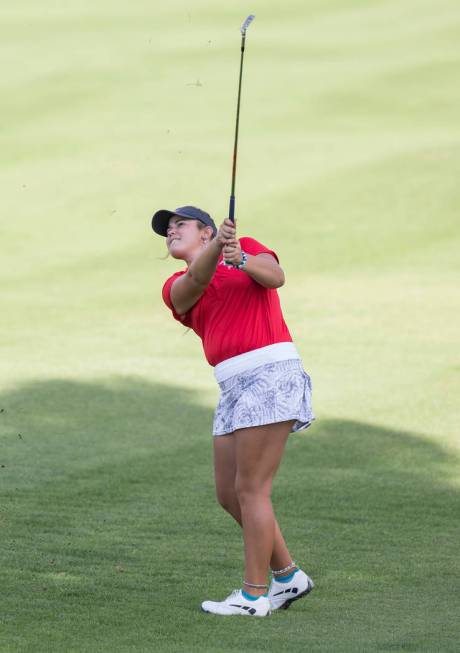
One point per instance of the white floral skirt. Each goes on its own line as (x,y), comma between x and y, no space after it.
(270,393)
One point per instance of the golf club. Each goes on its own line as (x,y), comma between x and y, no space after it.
(231,212)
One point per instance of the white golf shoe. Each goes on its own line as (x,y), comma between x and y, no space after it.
(237,603)
(281,595)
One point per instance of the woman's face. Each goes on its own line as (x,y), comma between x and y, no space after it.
(183,237)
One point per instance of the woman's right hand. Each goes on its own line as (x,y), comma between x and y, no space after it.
(226,233)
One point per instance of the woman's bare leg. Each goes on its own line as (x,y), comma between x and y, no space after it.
(225,474)
(249,484)
(258,454)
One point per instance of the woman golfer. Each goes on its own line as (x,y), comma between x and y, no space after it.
(227,295)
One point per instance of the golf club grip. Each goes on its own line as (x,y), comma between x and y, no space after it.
(231,210)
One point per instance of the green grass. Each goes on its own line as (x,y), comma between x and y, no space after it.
(348,166)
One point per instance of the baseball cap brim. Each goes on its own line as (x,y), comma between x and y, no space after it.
(160,221)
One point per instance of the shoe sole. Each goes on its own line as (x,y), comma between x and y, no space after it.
(287,604)
(237,615)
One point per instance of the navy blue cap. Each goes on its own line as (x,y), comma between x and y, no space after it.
(160,220)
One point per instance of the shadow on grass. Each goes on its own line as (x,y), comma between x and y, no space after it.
(99,479)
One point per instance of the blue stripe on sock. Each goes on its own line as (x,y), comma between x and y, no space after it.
(249,597)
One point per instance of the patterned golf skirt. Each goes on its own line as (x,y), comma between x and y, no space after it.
(266,393)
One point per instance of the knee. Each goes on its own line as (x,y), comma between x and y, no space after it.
(227,498)
(249,489)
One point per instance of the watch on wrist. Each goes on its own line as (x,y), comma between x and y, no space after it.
(244,260)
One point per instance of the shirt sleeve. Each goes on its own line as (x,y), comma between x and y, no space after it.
(253,247)
(166,293)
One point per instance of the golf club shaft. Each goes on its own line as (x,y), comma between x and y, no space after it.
(231,211)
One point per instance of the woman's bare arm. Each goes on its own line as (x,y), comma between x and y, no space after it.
(263,268)
(187,289)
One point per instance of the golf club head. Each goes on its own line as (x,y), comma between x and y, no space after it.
(246,23)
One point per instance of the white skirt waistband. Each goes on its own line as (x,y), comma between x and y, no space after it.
(280,351)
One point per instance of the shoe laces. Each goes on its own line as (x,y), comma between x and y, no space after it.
(233,594)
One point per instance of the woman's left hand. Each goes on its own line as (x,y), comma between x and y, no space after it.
(232,252)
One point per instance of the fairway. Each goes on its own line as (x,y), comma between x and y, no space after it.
(349,168)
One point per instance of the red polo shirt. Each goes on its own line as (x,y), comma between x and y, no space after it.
(235,314)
